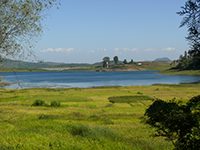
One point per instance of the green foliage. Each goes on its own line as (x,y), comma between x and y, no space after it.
(55,104)
(106,59)
(21,24)
(191,12)
(78,129)
(39,103)
(4,147)
(25,126)
(125,61)
(179,123)
(186,62)
(132,62)
(180,72)
(42,103)
(139,93)
(115,59)
(95,133)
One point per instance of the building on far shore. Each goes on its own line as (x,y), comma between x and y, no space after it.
(105,64)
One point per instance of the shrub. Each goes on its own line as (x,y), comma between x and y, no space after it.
(95,133)
(39,103)
(139,93)
(78,129)
(112,101)
(179,123)
(55,104)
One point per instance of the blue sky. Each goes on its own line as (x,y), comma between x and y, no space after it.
(85,31)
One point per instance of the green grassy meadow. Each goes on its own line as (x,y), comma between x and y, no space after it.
(88,118)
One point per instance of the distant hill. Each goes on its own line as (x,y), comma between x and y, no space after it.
(23,64)
(162,59)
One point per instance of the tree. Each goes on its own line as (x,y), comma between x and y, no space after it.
(191,13)
(115,59)
(106,60)
(131,62)
(125,61)
(185,62)
(20,25)
(177,122)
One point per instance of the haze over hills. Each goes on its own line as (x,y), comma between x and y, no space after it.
(23,64)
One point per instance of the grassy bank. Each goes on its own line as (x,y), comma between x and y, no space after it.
(92,118)
(20,69)
(182,72)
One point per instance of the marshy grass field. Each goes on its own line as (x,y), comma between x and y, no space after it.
(95,118)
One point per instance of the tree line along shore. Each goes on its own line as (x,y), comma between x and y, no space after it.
(162,67)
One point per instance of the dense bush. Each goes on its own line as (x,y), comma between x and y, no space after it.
(185,64)
(179,123)
(79,129)
(55,104)
(95,133)
(189,61)
(39,103)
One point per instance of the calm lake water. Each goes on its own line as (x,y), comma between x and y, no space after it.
(89,79)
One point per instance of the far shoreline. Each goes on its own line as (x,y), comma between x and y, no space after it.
(180,72)
(162,68)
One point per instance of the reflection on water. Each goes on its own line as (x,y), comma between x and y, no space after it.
(89,79)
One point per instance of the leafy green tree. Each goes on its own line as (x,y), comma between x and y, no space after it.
(125,61)
(106,60)
(20,25)
(177,122)
(191,13)
(131,62)
(115,59)
(185,64)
